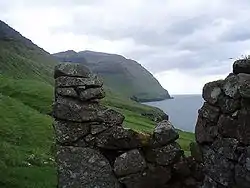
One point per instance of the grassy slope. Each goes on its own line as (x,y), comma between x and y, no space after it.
(21,61)
(26,138)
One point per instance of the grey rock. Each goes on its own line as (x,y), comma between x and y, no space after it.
(165,155)
(98,128)
(210,183)
(205,131)
(210,112)
(64,81)
(165,133)
(231,85)
(226,147)
(117,138)
(75,110)
(89,139)
(71,69)
(241,66)
(212,91)
(181,169)
(91,93)
(68,92)
(68,132)
(81,143)
(228,105)
(242,176)
(244,85)
(130,162)
(153,177)
(135,180)
(84,167)
(228,126)
(111,116)
(244,126)
(158,176)
(219,168)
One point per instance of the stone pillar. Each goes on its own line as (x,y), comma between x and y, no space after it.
(223,129)
(77,114)
(94,150)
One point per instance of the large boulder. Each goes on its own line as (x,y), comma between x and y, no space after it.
(212,91)
(117,137)
(154,176)
(90,93)
(68,132)
(217,167)
(205,130)
(84,167)
(130,162)
(228,126)
(226,147)
(165,155)
(111,116)
(231,85)
(71,69)
(244,85)
(164,133)
(209,112)
(75,110)
(241,66)
(228,105)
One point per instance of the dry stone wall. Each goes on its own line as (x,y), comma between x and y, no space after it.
(223,129)
(94,150)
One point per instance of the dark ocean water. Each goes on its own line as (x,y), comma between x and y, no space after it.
(182,110)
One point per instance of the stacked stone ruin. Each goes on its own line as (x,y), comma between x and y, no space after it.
(223,129)
(94,150)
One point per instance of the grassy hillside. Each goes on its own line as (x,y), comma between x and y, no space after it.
(26,94)
(20,58)
(124,76)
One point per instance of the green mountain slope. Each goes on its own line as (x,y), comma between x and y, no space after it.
(20,58)
(26,95)
(123,75)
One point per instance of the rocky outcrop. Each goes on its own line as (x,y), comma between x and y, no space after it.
(223,130)
(95,150)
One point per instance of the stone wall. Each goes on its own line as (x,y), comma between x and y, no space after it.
(94,150)
(223,129)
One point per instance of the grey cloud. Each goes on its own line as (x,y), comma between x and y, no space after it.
(193,39)
(210,36)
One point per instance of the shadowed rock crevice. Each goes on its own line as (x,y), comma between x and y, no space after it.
(95,150)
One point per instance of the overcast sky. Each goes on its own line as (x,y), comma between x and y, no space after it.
(183,43)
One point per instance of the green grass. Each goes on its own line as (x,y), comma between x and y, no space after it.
(25,61)
(26,140)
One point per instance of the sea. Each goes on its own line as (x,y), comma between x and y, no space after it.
(182,110)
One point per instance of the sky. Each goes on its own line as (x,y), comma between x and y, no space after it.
(184,44)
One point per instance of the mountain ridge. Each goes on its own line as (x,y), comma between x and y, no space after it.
(123,75)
